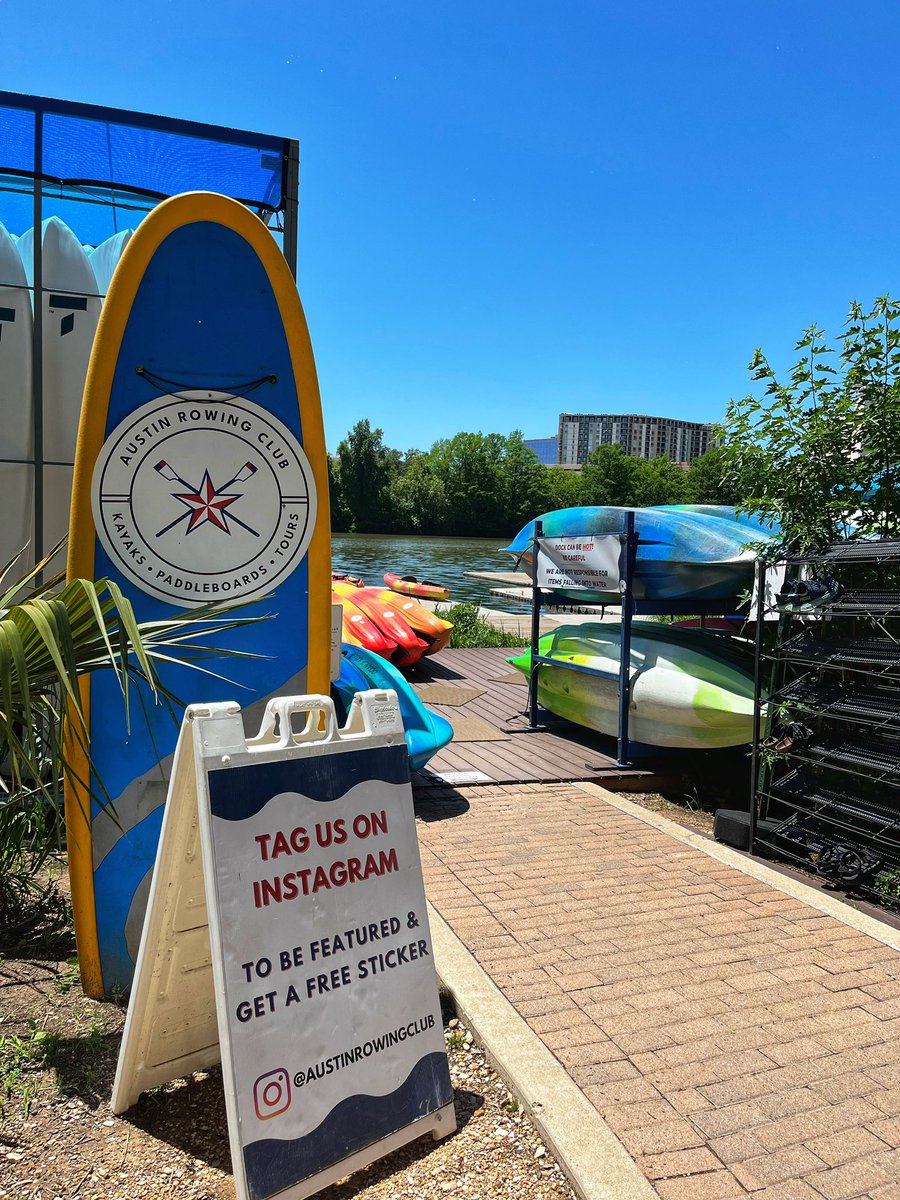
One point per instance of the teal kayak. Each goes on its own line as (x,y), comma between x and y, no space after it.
(726,512)
(681,555)
(426,731)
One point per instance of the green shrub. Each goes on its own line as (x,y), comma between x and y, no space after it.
(471,632)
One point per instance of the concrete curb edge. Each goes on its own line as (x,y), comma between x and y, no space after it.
(596,1163)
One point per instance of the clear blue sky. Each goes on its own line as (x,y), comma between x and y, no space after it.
(511,209)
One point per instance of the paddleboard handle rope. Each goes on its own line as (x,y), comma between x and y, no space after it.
(241,389)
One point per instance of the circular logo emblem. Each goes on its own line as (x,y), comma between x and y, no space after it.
(203,496)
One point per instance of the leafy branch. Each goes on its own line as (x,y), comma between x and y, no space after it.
(819,454)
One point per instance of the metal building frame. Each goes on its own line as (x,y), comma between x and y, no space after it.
(39,106)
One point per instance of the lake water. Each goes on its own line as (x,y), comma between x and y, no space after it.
(440,559)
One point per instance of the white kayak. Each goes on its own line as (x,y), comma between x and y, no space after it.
(16,429)
(71,310)
(689,688)
(103,258)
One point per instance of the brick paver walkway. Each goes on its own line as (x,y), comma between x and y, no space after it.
(736,1040)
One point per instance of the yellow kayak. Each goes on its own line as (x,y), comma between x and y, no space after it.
(424,589)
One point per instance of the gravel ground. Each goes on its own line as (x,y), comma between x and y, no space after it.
(59,1140)
(684,811)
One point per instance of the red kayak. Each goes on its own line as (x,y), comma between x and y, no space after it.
(422,620)
(359,630)
(410,648)
(422,589)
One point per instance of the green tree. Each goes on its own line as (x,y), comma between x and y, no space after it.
(525,488)
(564,489)
(871,359)
(707,481)
(470,466)
(819,453)
(610,476)
(660,481)
(417,497)
(366,469)
(340,513)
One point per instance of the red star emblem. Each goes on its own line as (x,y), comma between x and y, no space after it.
(207,504)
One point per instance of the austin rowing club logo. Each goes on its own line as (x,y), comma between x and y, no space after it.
(203,496)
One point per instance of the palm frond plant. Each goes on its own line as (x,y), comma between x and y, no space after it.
(52,633)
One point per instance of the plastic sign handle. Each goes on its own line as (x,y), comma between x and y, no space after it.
(277,726)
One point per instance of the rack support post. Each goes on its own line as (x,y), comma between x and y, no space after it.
(761,572)
(629,541)
(535,629)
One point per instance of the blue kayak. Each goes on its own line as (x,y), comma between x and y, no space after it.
(726,512)
(680,555)
(426,732)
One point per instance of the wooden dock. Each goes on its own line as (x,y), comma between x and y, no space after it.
(485,699)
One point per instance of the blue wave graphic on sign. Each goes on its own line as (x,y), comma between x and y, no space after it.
(242,792)
(273,1164)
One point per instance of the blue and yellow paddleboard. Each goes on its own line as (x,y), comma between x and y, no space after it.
(200,476)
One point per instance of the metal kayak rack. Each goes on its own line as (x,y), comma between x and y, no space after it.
(626,544)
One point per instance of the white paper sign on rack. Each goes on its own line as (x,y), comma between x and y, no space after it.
(287,925)
(587,563)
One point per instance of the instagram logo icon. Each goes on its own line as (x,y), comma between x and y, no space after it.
(272,1093)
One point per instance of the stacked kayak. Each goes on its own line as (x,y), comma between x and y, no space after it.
(360,630)
(75,280)
(401,630)
(725,512)
(408,648)
(423,589)
(17,429)
(430,628)
(681,554)
(426,732)
(689,688)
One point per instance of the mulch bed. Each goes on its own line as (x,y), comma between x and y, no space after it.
(59,1139)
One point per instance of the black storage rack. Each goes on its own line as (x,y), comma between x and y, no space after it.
(805,794)
(827,796)
(872,706)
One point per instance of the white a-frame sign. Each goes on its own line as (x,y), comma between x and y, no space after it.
(286,924)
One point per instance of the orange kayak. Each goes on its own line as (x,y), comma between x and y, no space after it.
(359,630)
(425,589)
(421,619)
(410,648)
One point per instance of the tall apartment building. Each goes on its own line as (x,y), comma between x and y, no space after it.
(644,437)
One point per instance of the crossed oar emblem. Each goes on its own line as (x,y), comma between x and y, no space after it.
(206,503)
